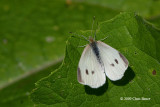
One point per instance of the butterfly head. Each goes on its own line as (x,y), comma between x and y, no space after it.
(91,40)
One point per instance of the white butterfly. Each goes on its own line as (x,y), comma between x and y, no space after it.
(99,60)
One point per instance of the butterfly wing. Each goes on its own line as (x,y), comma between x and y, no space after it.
(114,62)
(90,71)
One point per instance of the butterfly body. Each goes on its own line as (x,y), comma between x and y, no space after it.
(99,60)
(95,50)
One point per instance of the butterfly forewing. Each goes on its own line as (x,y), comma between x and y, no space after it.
(90,71)
(114,62)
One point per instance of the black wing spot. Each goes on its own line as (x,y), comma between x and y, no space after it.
(116,61)
(92,72)
(112,64)
(87,71)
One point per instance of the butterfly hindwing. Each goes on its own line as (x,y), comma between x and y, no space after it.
(114,62)
(90,71)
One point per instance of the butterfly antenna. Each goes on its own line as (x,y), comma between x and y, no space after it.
(95,35)
(93,24)
(95,32)
(80,36)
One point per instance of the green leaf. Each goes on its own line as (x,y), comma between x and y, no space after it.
(30,32)
(137,40)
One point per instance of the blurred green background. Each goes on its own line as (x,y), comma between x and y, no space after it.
(33,35)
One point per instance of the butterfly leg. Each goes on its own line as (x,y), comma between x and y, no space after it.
(80,36)
(104,38)
(82,46)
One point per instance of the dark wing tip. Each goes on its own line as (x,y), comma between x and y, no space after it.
(79,75)
(124,59)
